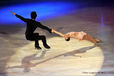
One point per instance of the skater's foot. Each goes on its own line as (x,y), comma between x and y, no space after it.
(38,47)
(97,40)
(46,46)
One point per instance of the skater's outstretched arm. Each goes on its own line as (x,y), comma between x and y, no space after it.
(44,27)
(58,33)
(20,17)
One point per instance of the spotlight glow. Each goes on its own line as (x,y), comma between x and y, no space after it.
(71,58)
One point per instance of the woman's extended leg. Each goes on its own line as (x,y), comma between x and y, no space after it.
(90,38)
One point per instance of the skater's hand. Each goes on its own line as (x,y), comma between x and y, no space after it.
(52,30)
(13,13)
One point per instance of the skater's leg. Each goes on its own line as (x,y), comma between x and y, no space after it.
(43,38)
(90,38)
(37,44)
(36,39)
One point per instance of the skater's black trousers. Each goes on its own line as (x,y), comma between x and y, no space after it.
(36,37)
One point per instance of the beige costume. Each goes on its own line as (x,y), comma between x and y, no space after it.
(76,35)
(79,36)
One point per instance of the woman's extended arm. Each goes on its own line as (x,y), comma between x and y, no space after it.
(58,33)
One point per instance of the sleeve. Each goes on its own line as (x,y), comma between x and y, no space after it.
(20,17)
(44,27)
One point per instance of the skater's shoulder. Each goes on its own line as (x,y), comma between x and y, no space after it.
(71,32)
(37,22)
(33,21)
(27,19)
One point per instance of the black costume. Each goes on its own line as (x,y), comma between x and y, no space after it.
(30,28)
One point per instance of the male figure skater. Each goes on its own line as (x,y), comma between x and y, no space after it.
(30,28)
(77,35)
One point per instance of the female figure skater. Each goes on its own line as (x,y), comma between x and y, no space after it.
(77,35)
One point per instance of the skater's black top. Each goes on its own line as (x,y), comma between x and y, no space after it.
(32,25)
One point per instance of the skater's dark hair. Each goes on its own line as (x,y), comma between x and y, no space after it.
(68,39)
(33,15)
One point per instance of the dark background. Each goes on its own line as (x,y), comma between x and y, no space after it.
(88,2)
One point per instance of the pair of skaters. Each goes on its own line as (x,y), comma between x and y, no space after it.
(32,25)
